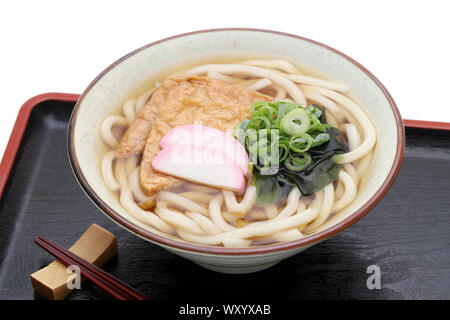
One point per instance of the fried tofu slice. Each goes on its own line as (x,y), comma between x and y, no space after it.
(181,100)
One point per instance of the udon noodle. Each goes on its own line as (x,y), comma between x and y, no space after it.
(209,216)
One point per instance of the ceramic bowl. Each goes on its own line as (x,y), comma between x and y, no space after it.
(128,76)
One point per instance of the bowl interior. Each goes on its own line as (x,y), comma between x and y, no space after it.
(137,71)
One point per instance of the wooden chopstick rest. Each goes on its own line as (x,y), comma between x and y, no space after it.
(96,246)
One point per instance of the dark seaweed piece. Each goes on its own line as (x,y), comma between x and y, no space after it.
(323,170)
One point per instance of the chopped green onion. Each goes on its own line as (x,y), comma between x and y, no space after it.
(253,148)
(281,134)
(315,111)
(281,137)
(281,111)
(267,165)
(301,158)
(263,144)
(298,162)
(320,139)
(301,142)
(256,122)
(239,131)
(283,151)
(296,121)
(258,105)
(265,111)
(316,126)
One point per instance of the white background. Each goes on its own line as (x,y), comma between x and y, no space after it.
(60,46)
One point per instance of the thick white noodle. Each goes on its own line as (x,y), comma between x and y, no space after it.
(350,169)
(349,194)
(301,206)
(147,217)
(331,119)
(317,201)
(353,137)
(143,98)
(271,210)
(323,101)
(287,235)
(197,196)
(255,214)
(230,218)
(247,83)
(128,203)
(281,93)
(245,205)
(106,129)
(339,191)
(218,76)
(204,222)
(363,164)
(317,82)
(216,214)
(107,171)
(121,174)
(325,210)
(278,64)
(260,84)
(177,219)
(350,118)
(133,181)
(370,135)
(129,110)
(316,204)
(235,243)
(288,85)
(255,231)
(180,201)
(131,163)
(291,204)
(307,200)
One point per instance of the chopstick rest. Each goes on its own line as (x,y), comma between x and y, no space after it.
(96,246)
(105,281)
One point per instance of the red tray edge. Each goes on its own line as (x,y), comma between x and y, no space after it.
(19,128)
(24,114)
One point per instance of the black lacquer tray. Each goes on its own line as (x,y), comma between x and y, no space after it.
(407,235)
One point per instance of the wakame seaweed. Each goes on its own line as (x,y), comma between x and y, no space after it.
(270,188)
(322,171)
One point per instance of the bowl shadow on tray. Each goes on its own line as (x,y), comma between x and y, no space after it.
(317,273)
(314,274)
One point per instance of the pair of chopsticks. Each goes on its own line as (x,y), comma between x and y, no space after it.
(105,281)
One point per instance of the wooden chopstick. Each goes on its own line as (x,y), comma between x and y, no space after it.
(105,281)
